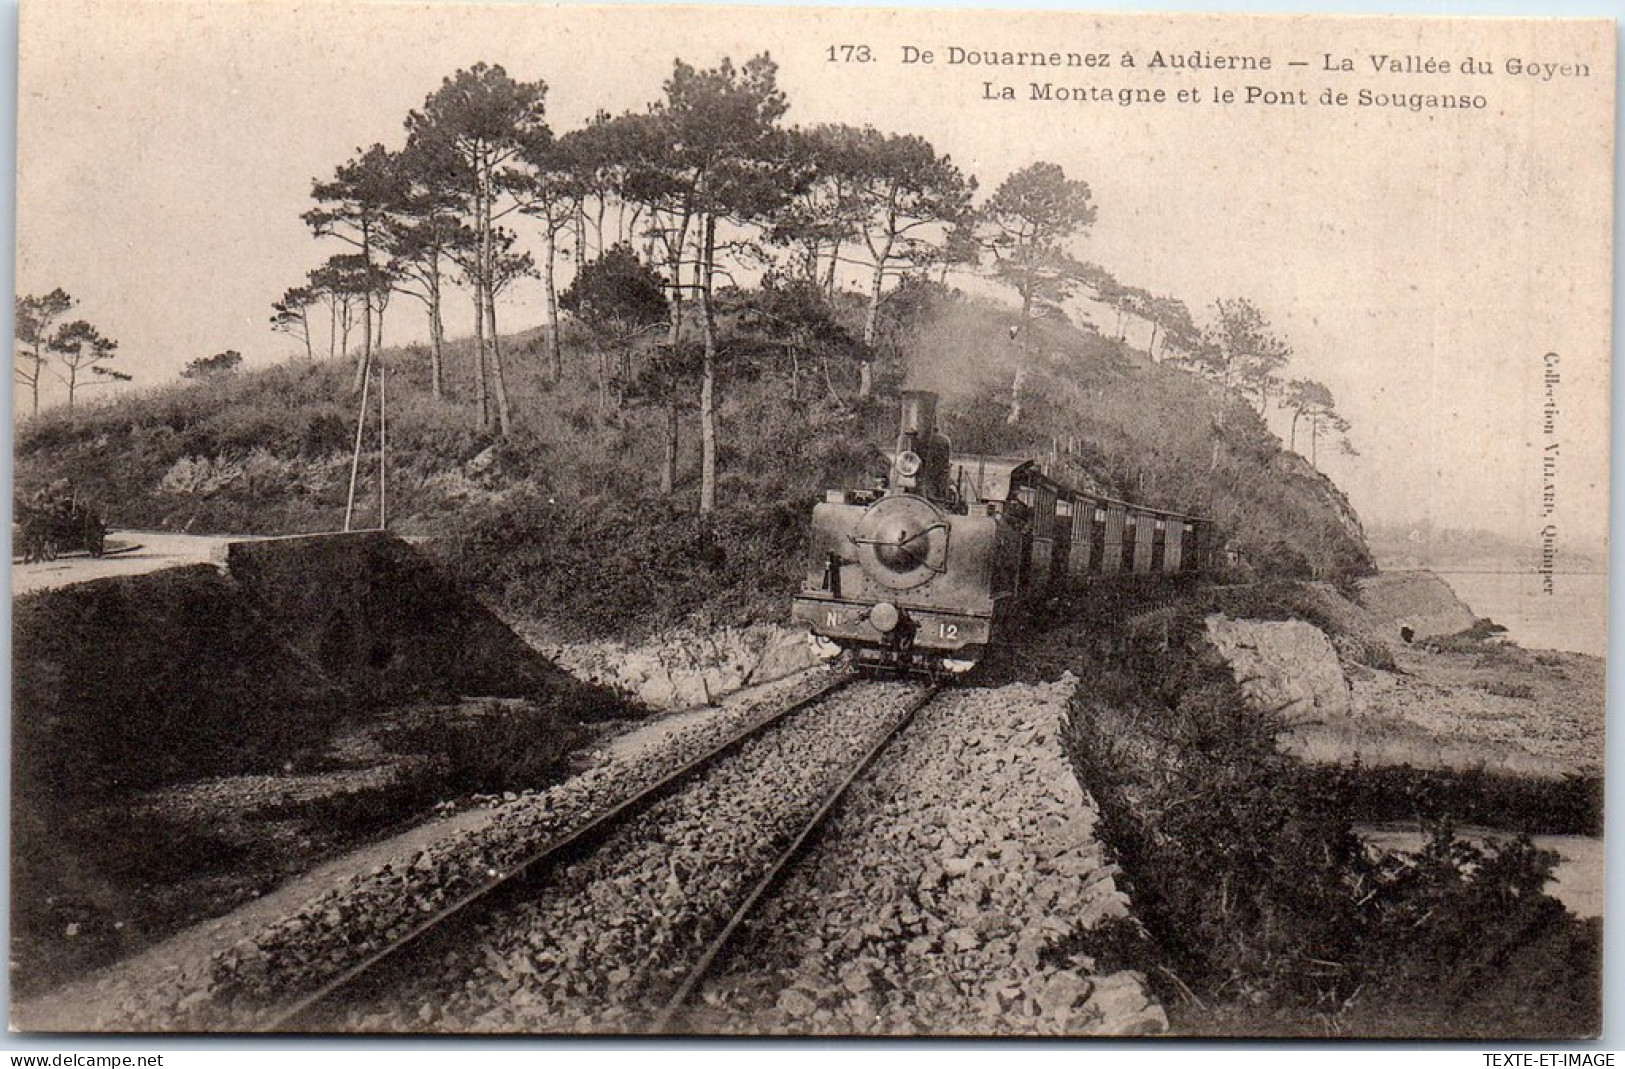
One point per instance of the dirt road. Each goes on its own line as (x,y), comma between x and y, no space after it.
(157,549)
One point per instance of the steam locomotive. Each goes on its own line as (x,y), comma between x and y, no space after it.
(927,571)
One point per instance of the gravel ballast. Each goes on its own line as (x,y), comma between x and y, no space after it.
(604,943)
(943,897)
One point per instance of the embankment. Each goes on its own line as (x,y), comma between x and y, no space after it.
(141,680)
(184,739)
(688,666)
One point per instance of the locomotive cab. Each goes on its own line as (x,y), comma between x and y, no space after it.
(925,572)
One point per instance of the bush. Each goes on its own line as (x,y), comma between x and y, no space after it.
(607,566)
(1372,653)
(1268,910)
(1533,805)
(502,746)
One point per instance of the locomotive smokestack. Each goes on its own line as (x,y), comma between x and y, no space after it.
(921,464)
(919,414)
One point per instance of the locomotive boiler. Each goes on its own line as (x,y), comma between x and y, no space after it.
(926,571)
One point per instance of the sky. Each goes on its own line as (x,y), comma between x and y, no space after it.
(1421,263)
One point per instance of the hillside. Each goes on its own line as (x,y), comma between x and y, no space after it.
(562,524)
(1422,545)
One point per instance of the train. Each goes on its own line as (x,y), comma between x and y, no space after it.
(927,570)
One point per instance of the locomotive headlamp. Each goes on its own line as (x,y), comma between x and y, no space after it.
(908,464)
(884,616)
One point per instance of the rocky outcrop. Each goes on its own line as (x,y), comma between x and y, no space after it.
(1283,666)
(1420,601)
(1490,707)
(690,666)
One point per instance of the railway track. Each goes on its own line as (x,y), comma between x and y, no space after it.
(552,931)
(672,1015)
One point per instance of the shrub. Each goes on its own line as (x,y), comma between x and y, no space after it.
(1245,868)
(503,746)
(609,566)
(1372,653)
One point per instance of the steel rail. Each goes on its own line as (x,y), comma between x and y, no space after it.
(702,968)
(581,838)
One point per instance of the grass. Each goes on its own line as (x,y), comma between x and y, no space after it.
(93,884)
